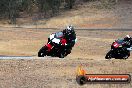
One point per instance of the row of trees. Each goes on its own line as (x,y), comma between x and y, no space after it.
(11,9)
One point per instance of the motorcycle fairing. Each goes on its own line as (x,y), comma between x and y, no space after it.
(55,40)
(49,46)
(116,45)
(52,36)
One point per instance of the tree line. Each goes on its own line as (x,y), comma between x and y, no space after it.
(11,9)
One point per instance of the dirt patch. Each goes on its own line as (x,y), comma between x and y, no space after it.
(57,73)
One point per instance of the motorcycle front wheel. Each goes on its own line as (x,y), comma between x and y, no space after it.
(42,52)
(109,55)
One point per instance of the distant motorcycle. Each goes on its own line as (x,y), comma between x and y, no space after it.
(119,50)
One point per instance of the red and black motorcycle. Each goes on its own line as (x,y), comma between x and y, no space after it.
(54,50)
(118,50)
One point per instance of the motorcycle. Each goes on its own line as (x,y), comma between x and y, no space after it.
(56,46)
(119,50)
(53,49)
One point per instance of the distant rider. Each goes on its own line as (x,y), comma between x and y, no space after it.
(128,41)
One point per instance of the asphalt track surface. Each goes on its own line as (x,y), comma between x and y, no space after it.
(35,57)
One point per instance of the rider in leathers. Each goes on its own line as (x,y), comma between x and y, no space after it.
(128,41)
(68,34)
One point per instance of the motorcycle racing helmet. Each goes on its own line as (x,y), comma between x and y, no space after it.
(69,30)
(127,38)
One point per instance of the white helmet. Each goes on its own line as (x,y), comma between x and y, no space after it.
(70,27)
(128,36)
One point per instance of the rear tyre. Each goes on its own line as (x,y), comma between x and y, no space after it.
(126,57)
(61,55)
(109,55)
(64,53)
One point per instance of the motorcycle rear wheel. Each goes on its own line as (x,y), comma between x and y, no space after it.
(61,56)
(64,53)
(126,57)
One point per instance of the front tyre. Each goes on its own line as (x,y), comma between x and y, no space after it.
(42,52)
(109,55)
